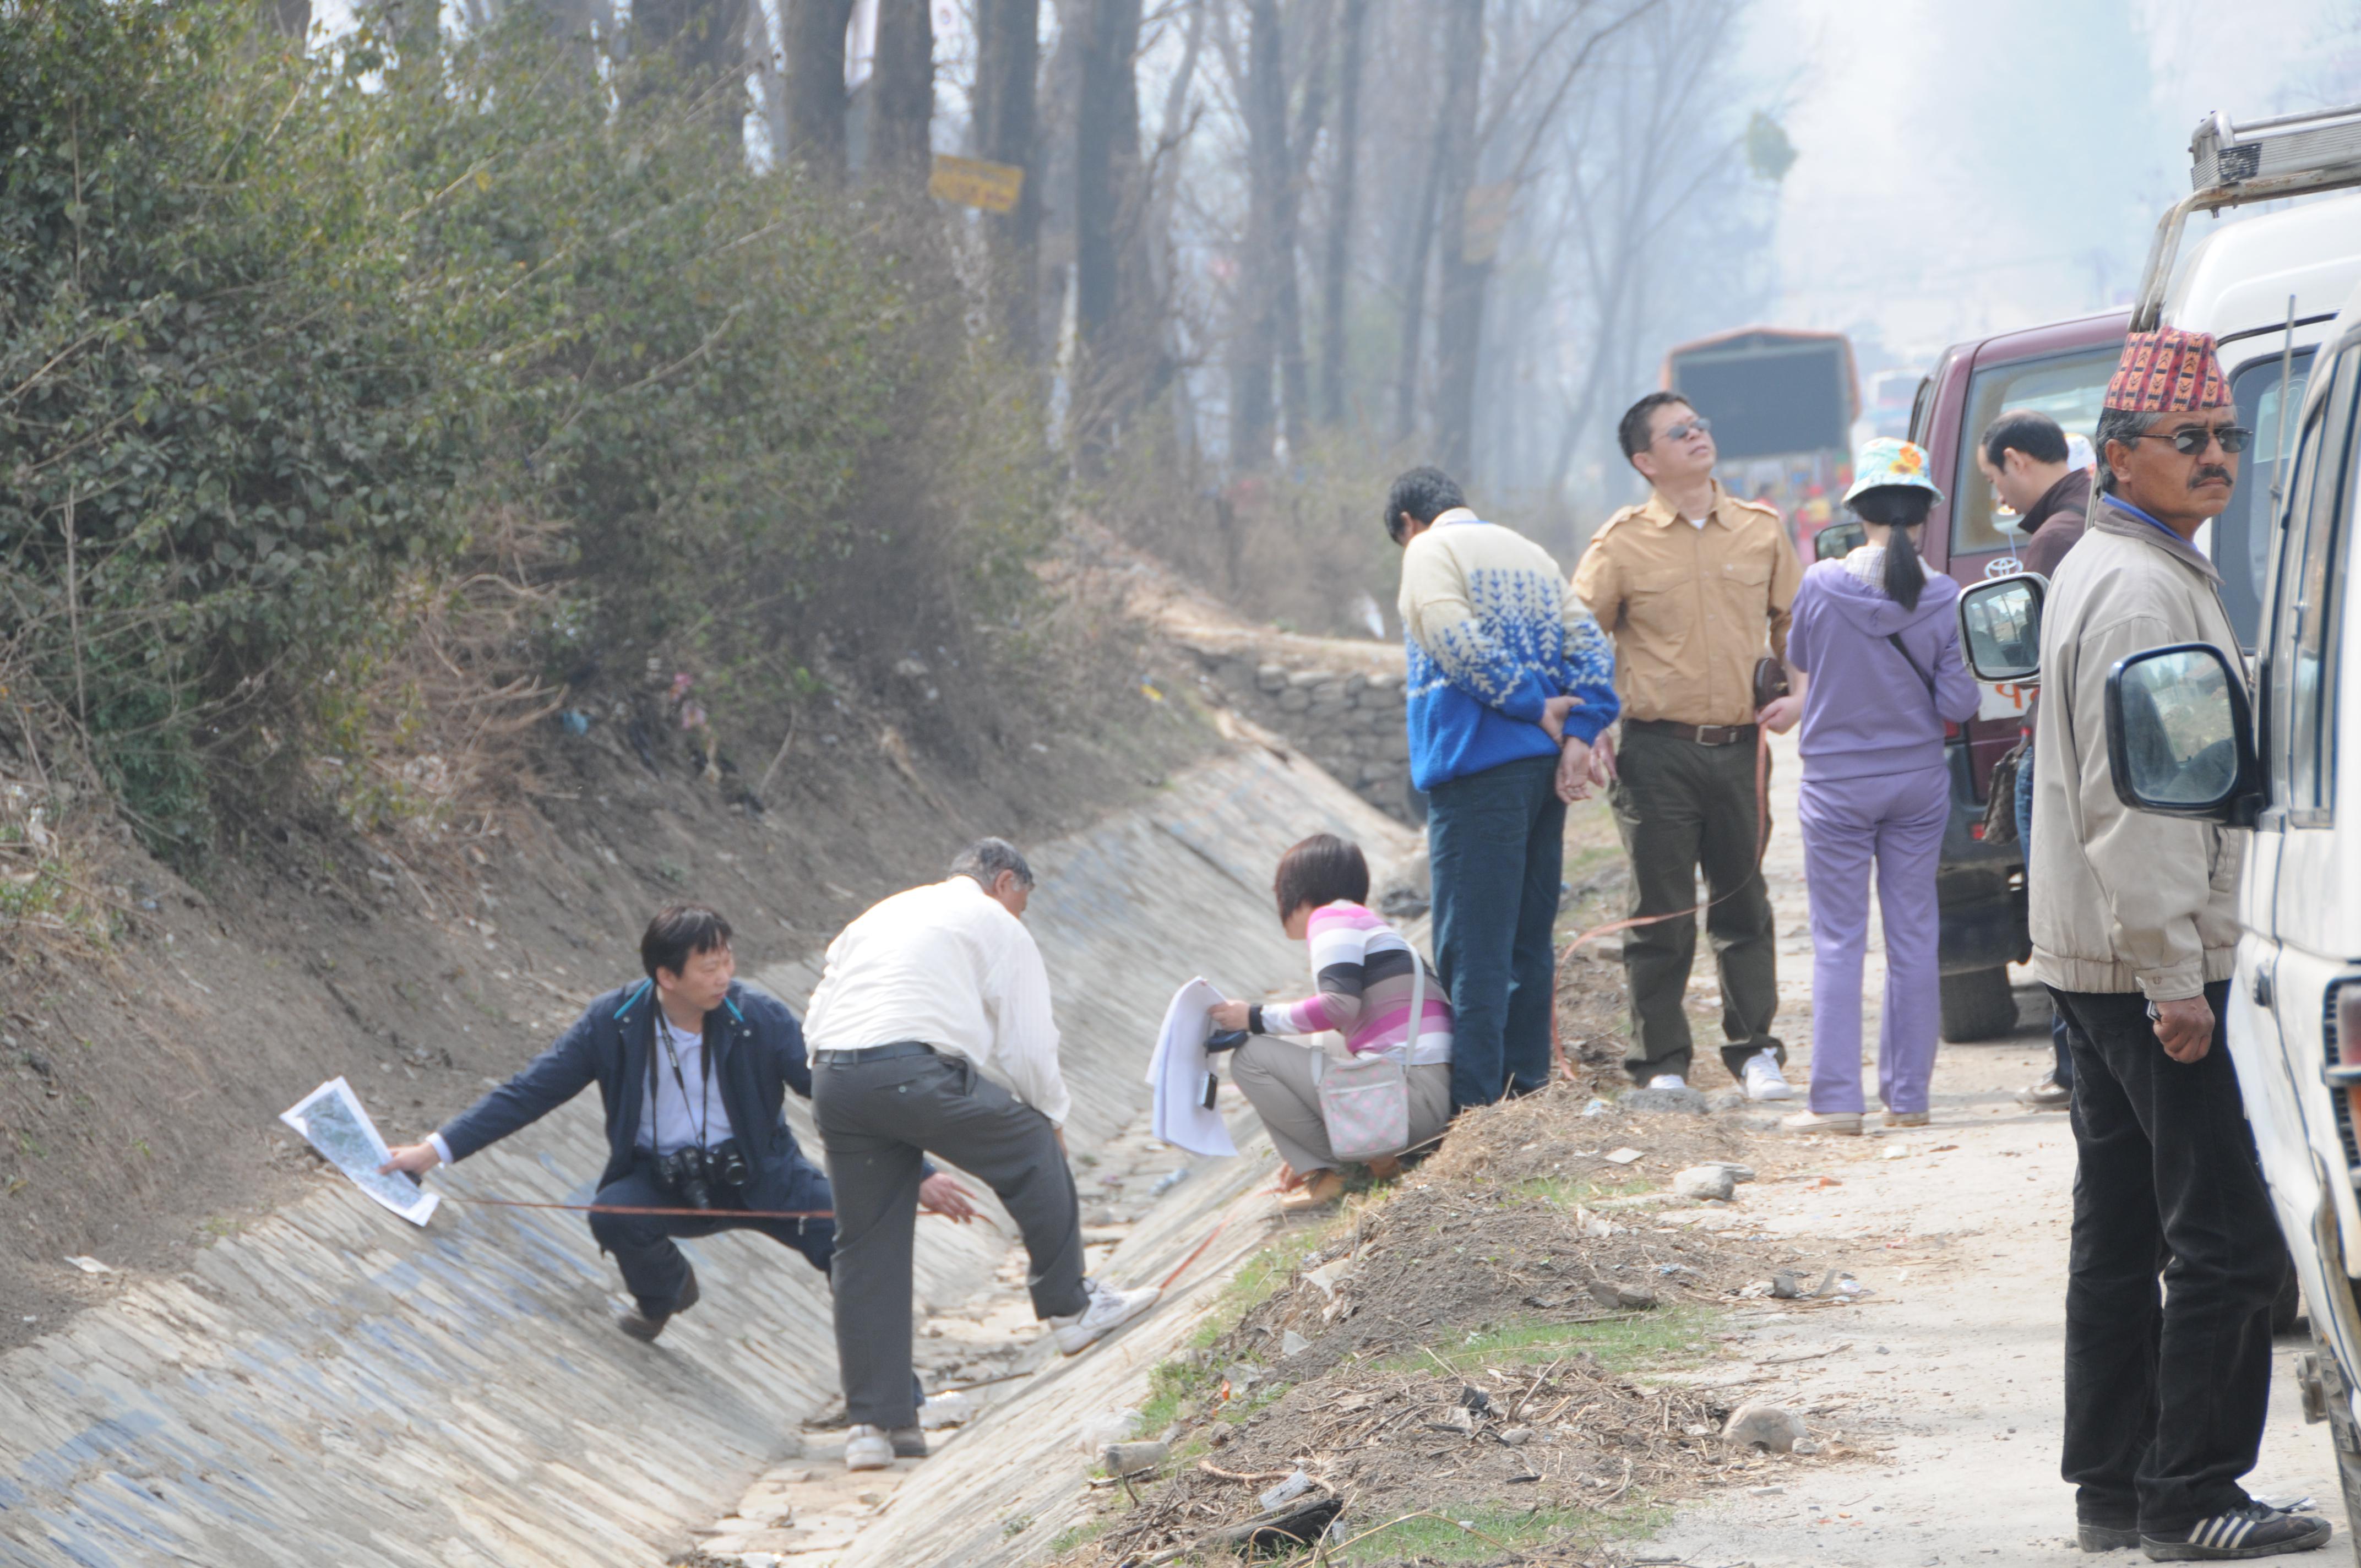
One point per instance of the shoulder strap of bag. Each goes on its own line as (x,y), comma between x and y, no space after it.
(1902,648)
(1417,1001)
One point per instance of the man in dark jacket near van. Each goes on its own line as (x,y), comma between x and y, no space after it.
(693,1069)
(2024,456)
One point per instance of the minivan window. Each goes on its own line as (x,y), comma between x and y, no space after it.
(2242,535)
(2307,612)
(2069,387)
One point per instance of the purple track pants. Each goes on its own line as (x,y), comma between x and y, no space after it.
(1895,820)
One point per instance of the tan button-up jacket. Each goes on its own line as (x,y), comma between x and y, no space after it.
(1690,609)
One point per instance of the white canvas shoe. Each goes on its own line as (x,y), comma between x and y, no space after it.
(1763,1078)
(1108,1310)
(1668,1080)
(868,1448)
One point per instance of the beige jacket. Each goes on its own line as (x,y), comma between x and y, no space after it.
(2123,901)
(1691,609)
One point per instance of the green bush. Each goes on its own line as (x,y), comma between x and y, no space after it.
(273,331)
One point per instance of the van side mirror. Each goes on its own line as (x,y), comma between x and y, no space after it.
(2181,735)
(2000,627)
(1838,540)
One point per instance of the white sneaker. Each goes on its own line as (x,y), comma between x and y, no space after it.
(868,1448)
(1109,1310)
(1763,1078)
(1668,1080)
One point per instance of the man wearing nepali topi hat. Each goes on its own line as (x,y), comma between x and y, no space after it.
(2134,927)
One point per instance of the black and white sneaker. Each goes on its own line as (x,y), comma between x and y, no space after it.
(2255,1531)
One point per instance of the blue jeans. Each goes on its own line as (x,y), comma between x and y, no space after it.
(1497,842)
(2064,1072)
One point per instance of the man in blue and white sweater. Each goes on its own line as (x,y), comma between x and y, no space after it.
(1510,681)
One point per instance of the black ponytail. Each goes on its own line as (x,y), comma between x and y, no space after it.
(1900,509)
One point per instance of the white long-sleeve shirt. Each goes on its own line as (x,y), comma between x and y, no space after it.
(948,965)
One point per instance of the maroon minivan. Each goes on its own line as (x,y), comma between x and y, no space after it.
(2062,370)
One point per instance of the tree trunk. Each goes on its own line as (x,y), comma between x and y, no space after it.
(292,19)
(1337,266)
(706,39)
(815,100)
(1008,56)
(900,144)
(1459,309)
(1294,367)
(1106,180)
(1254,332)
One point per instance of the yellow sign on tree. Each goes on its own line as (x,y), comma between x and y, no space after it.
(972,182)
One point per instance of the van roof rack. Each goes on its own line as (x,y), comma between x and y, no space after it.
(2234,165)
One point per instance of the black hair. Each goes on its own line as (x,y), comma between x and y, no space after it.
(986,857)
(1320,870)
(679,931)
(1426,493)
(2034,433)
(2116,424)
(1632,431)
(1900,509)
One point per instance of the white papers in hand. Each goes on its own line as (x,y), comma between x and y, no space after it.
(1177,1072)
(332,1120)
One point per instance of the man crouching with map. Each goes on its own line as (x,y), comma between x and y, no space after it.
(694,1069)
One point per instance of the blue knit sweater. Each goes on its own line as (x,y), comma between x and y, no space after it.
(1492,632)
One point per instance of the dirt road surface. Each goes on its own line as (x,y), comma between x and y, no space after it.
(1956,1364)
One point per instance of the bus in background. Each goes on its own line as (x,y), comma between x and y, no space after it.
(1783,405)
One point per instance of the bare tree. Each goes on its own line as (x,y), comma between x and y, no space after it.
(1008,59)
(1106,191)
(1336,265)
(816,96)
(1254,328)
(901,140)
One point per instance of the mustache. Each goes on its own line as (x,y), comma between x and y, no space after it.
(2209,472)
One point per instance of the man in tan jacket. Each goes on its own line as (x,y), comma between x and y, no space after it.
(2134,924)
(1693,585)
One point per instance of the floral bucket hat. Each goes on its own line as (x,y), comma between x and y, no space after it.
(1884,461)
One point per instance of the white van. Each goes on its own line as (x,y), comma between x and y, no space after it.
(2189,734)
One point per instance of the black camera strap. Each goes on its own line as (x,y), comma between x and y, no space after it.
(701,1117)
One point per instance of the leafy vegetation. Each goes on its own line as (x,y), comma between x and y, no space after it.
(285,341)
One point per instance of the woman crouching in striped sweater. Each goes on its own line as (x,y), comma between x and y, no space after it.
(1364,971)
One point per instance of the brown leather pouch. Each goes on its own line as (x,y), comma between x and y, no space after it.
(1770,682)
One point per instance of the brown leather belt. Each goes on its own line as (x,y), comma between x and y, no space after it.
(1700,734)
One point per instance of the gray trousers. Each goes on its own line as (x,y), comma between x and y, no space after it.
(1275,1077)
(879,1112)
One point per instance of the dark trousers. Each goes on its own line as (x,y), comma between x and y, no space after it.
(878,1112)
(1496,843)
(653,1268)
(2165,1398)
(1681,807)
(2062,1073)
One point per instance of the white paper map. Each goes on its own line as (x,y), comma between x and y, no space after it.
(332,1120)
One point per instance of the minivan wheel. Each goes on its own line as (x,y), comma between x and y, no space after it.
(2346,1436)
(1978,1005)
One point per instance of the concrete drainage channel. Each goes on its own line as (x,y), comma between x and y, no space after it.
(334,1386)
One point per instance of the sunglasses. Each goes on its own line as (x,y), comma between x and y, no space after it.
(2190,440)
(1696,425)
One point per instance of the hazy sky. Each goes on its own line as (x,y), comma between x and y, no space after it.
(1965,169)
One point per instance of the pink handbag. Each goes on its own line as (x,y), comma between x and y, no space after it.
(1365,1102)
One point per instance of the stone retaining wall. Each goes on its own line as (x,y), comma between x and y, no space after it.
(1348,721)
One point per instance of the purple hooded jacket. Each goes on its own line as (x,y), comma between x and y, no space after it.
(1866,710)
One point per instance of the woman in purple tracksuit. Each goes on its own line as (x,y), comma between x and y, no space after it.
(1875,640)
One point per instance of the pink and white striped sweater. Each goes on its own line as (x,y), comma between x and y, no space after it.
(1362,967)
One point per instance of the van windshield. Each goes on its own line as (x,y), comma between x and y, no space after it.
(2069,387)
(2241,541)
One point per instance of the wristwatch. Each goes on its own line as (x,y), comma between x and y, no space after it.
(1254,1019)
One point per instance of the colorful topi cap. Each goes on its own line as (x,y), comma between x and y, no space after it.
(1884,461)
(2168,371)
